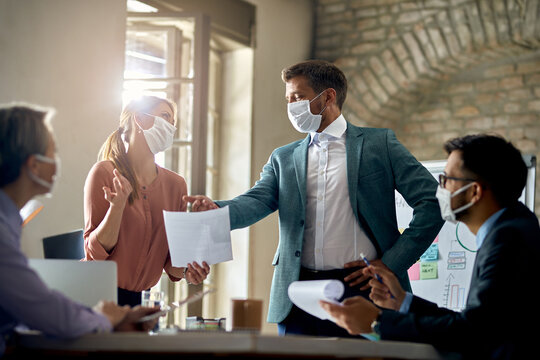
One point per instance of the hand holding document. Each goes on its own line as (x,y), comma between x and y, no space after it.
(306,295)
(198,236)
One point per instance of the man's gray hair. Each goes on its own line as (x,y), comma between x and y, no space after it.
(24,130)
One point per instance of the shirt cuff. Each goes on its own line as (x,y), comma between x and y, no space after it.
(96,251)
(406,304)
(103,324)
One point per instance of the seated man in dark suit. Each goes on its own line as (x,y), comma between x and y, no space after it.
(483,180)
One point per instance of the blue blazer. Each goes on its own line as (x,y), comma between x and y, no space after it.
(501,313)
(377,164)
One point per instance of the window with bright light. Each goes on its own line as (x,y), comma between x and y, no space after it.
(160,61)
(176,55)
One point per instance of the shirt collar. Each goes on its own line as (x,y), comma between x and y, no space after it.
(486,227)
(334,131)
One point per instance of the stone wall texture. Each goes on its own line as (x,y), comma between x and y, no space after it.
(432,70)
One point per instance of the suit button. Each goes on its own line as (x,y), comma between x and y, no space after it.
(301,222)
(297,253)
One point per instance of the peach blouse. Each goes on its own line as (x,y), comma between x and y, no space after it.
(141,252)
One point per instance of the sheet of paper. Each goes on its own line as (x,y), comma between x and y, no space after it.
(198,236)
(306,295)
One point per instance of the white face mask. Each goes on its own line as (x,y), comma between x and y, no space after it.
(301,117)
(160,136)
(40,181)
(445,202)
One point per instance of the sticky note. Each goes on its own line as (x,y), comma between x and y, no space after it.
(456,266)
(428,270)
(431,254)
(414,272)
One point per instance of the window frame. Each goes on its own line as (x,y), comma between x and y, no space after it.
(198,142)
(197,183)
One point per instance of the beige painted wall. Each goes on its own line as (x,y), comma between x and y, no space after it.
(234,173)
(68,55)
(283,37)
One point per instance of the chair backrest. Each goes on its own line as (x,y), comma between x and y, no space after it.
(64,246)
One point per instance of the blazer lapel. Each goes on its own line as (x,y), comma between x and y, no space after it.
(353,148)
(300,166)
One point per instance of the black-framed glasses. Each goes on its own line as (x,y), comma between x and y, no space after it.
(443,178)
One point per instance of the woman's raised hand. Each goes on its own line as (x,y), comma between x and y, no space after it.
(122,190)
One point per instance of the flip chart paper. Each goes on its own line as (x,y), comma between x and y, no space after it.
(306,295)
(198,236)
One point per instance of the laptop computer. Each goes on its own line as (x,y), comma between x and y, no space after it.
(86,282)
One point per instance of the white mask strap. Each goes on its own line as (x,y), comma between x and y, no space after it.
(460,190)
(466,206)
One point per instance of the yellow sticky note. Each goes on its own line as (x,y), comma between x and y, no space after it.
(428,270)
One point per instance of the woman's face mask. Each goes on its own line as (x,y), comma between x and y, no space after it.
(301,117)
(160,136)
(444,197)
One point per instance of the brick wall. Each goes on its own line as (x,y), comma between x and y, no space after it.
(436,69)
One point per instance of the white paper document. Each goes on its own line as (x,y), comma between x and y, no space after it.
(306,295)
(198,236)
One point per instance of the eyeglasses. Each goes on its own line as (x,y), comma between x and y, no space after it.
(443,178)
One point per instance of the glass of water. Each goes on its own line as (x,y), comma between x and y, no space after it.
(152,298)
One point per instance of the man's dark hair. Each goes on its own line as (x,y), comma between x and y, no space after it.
(495,162)
(321,75)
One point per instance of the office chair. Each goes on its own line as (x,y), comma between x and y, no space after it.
(64,246)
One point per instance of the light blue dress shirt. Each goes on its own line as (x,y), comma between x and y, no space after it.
(480,237)
(24,297)
(486,227)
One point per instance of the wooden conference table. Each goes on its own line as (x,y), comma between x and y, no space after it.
(199,345)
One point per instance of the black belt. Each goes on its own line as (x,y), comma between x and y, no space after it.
(339,274)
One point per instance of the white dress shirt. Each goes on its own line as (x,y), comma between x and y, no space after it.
(332,235)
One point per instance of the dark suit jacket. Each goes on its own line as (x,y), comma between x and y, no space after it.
(502,305)
(377,165)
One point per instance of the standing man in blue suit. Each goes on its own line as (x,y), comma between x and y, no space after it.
(483,180)
(335,194)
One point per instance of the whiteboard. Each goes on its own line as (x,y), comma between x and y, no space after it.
(443,273)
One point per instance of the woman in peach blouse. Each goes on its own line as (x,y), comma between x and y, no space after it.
(124,197)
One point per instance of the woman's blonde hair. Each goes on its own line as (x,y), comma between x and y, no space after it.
(114,150)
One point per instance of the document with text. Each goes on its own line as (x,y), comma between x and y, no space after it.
(198,236)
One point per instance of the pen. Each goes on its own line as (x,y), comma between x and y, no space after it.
(379,279)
